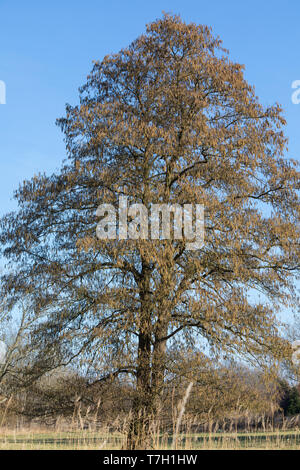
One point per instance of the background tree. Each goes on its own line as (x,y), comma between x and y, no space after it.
(170,119)
(289,398)
(14,331)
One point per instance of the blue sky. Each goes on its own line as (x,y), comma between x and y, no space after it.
(47,48)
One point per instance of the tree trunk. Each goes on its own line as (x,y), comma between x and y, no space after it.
(150,382)
(159,361)
(138,435)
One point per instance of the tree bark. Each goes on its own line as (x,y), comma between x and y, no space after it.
(159,361)
(138,435)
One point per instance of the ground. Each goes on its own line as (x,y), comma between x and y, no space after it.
(81,440)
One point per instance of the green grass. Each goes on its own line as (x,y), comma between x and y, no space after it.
(59,440)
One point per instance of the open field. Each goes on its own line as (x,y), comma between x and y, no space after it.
(87,440)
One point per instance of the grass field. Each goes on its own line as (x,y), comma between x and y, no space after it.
(86,440)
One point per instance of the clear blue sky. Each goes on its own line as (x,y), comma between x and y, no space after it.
(47,48)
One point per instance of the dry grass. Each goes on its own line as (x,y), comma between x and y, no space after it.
(102,440)
(84,432)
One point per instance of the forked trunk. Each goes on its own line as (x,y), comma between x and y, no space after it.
(142,405)
(138,434)
(150,380)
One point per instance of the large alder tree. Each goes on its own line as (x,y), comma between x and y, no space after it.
(170,119)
